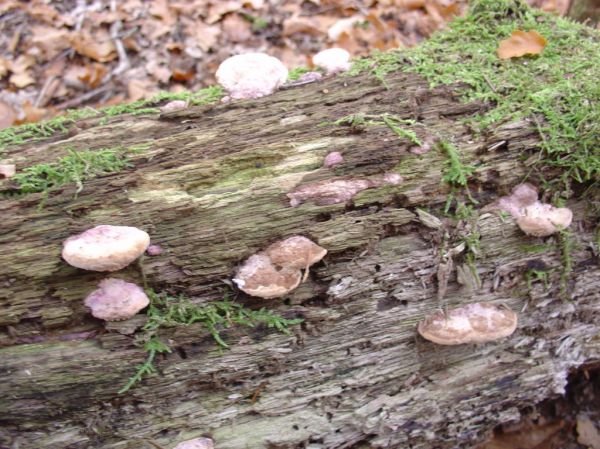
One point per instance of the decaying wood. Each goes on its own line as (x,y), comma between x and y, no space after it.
(211,191)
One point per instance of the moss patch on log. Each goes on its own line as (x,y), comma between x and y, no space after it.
(558,90)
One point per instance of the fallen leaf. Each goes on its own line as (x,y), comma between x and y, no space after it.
(140,89)
(50,40)
(236,28)
(521,43)
(98,47)
(7,115)
(21,80)
(162,10)
(304,25)
(587,433)
(3,67)
(33,114)
(206,35)
(220,8)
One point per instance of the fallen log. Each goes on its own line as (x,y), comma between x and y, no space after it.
(215,184)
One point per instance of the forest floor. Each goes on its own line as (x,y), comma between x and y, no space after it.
(69,54)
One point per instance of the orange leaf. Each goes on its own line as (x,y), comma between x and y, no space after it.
(521,43)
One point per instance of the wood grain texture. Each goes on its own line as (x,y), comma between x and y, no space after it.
(211,190)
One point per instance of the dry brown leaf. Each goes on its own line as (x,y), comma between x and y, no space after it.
(3,67)
(236,28)
(162,10)
(521,43)
(98,47)
(21,80)
(159,71)
(304,25)
(206,35)
(587,433)
(7,115)
(50,40)
(220,8)
(140,89)
(33,114)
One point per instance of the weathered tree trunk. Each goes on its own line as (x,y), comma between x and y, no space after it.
(211,190)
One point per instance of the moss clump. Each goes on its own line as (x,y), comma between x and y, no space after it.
(32,132)
(360,120)
(76,167)
(168,311)
(558,90)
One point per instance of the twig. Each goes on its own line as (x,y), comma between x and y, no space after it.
(85,97)
(42,94)
(115,29)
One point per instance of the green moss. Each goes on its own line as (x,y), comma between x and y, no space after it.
(75,168)
(168,311)
(360,120)
(295,74)
(558,89)
(33,132)
(455,172)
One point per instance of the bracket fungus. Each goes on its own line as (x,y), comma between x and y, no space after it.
(338,190)
(105,247)
(332,60)
(473,323)
(277,271)
(116,300)
(7,170)
(542,220)
(532,216)
(251,75)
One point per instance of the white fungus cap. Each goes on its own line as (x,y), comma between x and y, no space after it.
(542,220)
(196,443)
(116,300)
(473,323)
(105,247)
(332,60)
(251,75)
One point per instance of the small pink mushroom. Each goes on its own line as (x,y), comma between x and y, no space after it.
(333,158)
(154,250)
(532,216)
(172,106)
(7,170)
(116,300)
(105,247)
(295,252)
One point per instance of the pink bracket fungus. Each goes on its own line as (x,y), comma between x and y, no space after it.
(259,277)
(196,443)
(105,247)
(172,106)
(332,60)
(542,220)
(7,170)
(295,252)
(334,191)
(116,300)
(473,323)
(333,158)
(251,75)
(277,271)
(532,216)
